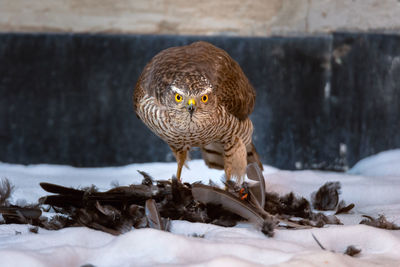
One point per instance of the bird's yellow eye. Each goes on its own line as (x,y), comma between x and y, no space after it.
(178,98)
(204,98)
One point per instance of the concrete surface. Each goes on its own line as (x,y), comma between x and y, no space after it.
(194,17)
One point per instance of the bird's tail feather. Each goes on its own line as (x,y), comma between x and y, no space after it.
(252,156)
(213,155)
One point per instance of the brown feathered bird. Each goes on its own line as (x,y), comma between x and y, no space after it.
(198,96)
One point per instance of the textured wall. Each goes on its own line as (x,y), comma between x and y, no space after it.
(231,17)
(322,102)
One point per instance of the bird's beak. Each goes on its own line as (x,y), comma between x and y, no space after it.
(191,106)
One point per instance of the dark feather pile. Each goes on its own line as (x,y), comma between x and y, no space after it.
(150,204)
(327,198)
(5,192)
(16,214)
(380,222)
(352,251)
(297,209)
(154,203)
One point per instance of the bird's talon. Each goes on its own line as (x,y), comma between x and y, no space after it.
(243,194)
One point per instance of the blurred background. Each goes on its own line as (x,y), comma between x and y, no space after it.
(327,75)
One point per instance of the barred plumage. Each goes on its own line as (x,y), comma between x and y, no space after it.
(198,96)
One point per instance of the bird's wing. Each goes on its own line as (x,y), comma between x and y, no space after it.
(231,85)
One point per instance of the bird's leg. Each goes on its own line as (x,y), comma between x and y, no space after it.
(235,159)
(180,156)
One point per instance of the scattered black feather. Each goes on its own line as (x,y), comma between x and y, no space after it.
(30,214)
(34,229)
(147,179)
(153,216)
(227,203)
(319,243)
(342,208)
(211,183)
(231,186)
(56,222)
(13,213)
(380,222)
(90,189)
(114,183)
(257,191)
(268,228)
(287,204)
(352,251)
(320,219)
(197,235)
(137,213)
(217,215)
(6,190)
(327,196)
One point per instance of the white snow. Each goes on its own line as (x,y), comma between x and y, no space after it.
(384,163)
(373,185)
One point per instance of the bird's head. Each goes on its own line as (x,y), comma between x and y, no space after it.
(196,103)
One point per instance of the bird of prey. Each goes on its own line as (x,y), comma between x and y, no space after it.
(198,96)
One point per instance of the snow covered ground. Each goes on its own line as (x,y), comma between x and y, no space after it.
(373,185)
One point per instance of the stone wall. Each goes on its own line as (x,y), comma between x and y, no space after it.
(194,17)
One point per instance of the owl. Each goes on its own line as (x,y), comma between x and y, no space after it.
(198,96)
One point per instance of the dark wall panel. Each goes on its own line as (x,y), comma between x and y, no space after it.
(322,102)
(366,92)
